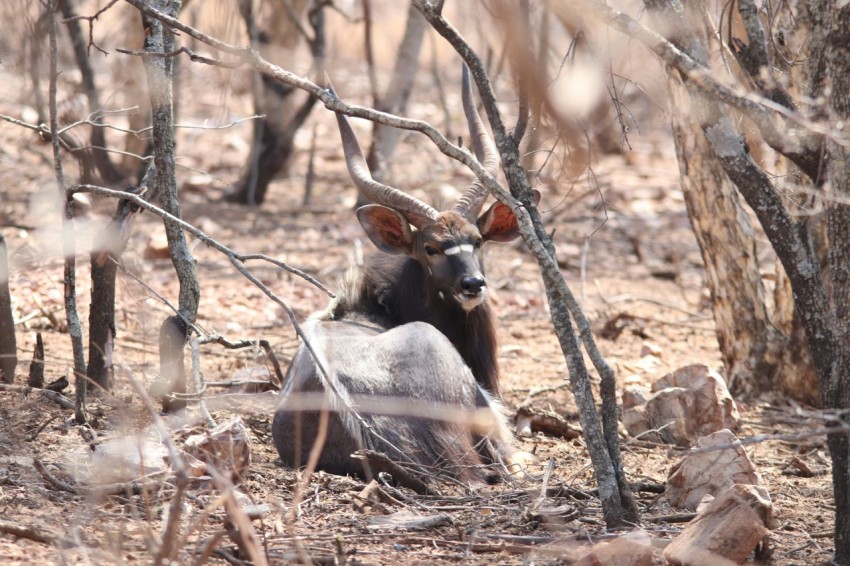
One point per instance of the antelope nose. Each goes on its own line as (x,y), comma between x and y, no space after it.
(473,285)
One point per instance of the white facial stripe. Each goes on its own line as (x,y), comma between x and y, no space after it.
(454,250)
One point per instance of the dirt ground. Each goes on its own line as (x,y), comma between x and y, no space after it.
(631,259)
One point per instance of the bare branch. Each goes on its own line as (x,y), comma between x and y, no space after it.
(63,401)
(783,137)
(199,234)
(603,443)
(192,56)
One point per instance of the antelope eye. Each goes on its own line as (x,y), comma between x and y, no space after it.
(430,251)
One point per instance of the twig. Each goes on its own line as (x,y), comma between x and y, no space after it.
(43,425)
(240,529)
(29,532)
(674,518)
(192,56)
(209,547)
(200,235)
(63,401)
(134,487)
(544,487)
(171,528)
(264,344)
(56,483)
(401,475)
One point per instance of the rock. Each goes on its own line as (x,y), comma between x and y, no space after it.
(650,349)
(633,396)
(710,472)
(672,412)
(226,450)
(715,407)
(726,531)
(689,403)
(636,422)
(631,549)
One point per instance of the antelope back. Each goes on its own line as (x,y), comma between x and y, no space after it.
(409,386)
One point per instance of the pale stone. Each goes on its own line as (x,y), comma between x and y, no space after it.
(631,549)
(726,531)
(691,402)
(702,473)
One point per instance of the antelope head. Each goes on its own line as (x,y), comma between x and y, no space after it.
(446,244)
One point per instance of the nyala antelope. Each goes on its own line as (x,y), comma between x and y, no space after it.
(409,345)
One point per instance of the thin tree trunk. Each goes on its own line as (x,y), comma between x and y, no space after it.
(8,344)
(108,173)
(102,319)
(68,245)
(284,111)
(618,505)
(832,72)
(175,329)
(384,138)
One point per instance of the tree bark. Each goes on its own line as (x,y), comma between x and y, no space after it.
(175,329)
(384,138)
(830,74)
(727,244)
(8,344)
(284,111)
(759,357)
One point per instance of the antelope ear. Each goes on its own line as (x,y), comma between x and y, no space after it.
(387,229)
(499,223)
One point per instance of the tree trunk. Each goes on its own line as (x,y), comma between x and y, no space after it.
(175,329)
(282,106)
(108,173)
(102,319)
(727,243)
(830,74)
(384,138)
(758,356)
(8,345)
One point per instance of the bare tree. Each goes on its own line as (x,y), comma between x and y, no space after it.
(394,101)
(618,504)
(802,130)
(276,32)
(159,43)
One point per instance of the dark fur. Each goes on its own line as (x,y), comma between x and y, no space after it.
(398,288)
